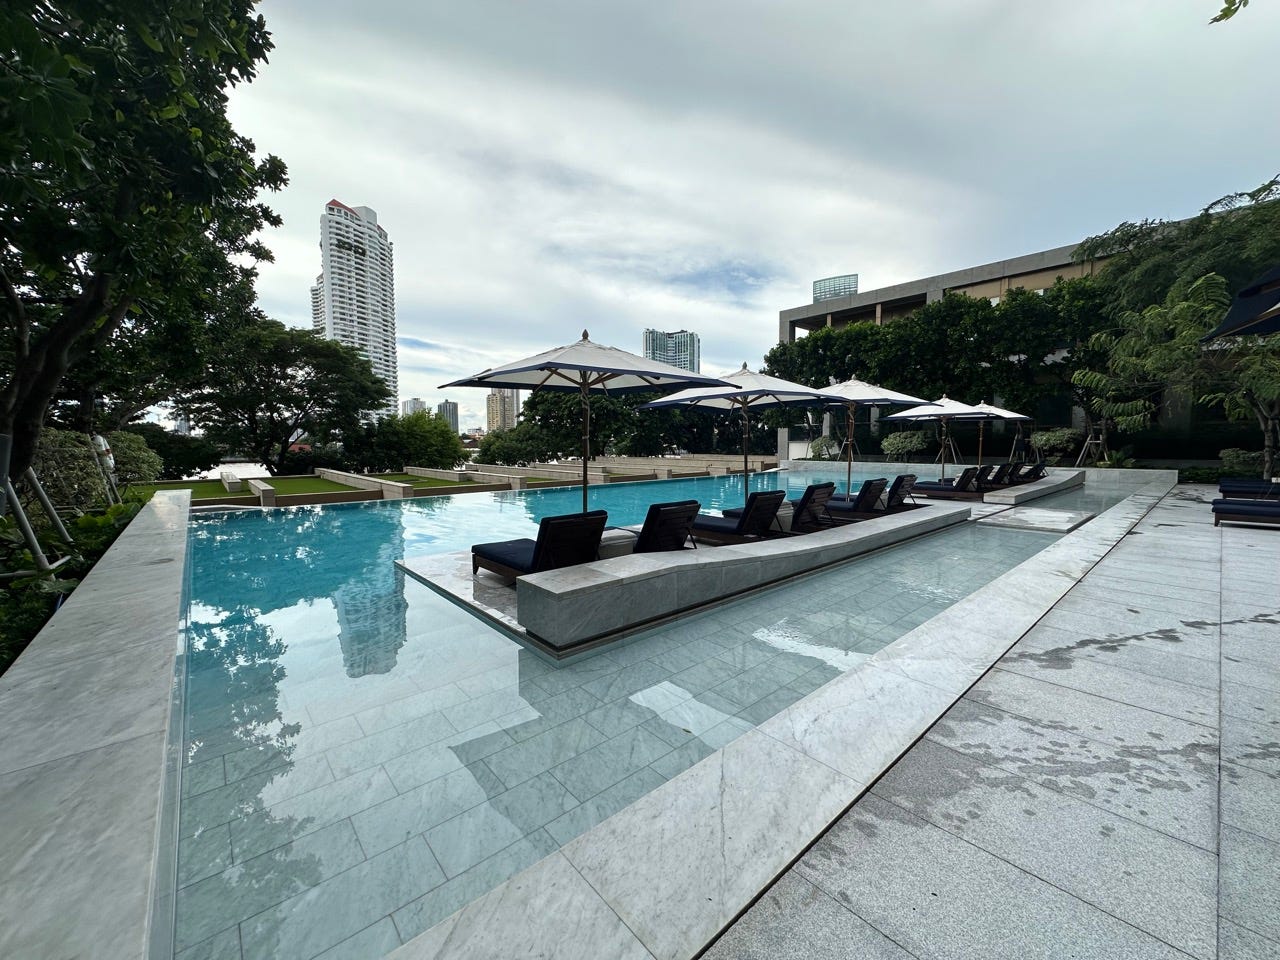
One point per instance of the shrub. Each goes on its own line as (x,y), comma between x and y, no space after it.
(904,444)
(135,461)
(1241,463)
(1059,445)
(65,464)
(824,448)
(1199,475)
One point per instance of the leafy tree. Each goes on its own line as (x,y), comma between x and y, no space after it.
(418,439)
(125,186)
(181,455)
(523,444)
(274,384)
(1155,357)
(135,461)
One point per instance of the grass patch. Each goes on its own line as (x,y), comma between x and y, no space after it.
(421,481)
(291,485)
(200,490)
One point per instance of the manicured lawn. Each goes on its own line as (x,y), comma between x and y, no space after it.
(421,481)
(291,485)
(200,490)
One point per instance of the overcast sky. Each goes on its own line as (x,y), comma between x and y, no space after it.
(545,167)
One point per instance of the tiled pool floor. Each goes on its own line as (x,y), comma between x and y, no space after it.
(346,791)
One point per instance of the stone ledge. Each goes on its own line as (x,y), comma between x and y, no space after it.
(1056,482)
(87,840)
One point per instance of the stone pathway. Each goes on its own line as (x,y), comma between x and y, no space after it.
(1111,788)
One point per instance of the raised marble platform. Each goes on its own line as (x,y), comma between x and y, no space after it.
(1037,518)
(1056,482)
(563,612)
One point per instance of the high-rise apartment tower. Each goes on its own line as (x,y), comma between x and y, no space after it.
(412,405)
(681,348)
(501,409)
(448,412)
(354,298)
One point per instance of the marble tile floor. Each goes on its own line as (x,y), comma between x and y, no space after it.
(1110,789)
(331,815)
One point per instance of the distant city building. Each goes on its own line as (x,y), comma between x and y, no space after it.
(833,287)
(448,412)
(681,348)
(502,407)
(475,431)
(413,405)
(182,425)
(354,298)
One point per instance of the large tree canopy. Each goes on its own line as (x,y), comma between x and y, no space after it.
(273,384)
(125,193)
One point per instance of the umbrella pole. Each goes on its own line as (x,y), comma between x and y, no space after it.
(946,437)
(980,423)
(848,442)
(586,439)
(746,440)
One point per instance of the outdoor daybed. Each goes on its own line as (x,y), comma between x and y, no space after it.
(564,541)
(1246,511)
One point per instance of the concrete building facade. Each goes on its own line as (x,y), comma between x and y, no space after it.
(680,348)
(447,411)
(1034,271)
(412,405)
(353,300)
(502,408)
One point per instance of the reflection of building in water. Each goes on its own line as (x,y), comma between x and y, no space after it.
(370,600)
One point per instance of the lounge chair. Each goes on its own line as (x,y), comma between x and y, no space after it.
(666,526)
(562,542)
(964,487)
(752,524)
(859,506)
(1246,511)
(894,499)
(1029,472)
(1001,477)
(809,510)
(1248,488)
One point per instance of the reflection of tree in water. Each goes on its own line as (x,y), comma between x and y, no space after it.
(279,558)
(234,718)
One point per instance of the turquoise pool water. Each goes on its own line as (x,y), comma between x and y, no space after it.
(363,758)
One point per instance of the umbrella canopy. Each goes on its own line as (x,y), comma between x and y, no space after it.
(944,411)
(997,413)
(743,391)
(585,368)
(859,393)
(1255,310)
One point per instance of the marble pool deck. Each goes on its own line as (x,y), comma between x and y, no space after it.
(1152,829)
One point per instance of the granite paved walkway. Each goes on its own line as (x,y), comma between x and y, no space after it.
(1111,788)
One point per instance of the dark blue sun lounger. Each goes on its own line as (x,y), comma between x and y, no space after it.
(895,499)
(562,542)
(1248,488)
(752,524)
(809,510)
(1246,511)
(666,526)
(964,487)
(861,504)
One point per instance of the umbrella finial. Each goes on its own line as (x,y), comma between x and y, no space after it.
(744,364)
(584,335)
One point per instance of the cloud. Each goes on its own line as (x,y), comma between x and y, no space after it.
(542,168)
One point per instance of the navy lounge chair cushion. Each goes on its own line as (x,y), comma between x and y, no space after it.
(563,541)
(666,526)
(1248,488)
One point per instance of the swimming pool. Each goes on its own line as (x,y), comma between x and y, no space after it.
(363,758)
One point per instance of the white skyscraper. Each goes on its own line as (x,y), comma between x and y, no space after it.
(448,412)
(354,299)
(681,348)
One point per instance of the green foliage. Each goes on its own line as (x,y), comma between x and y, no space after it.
(1229,9)
(523,444)
(824,448)
(26,603)
(961,346)
(418,440)
(905,444)
(129,204)
(135,461)
(1242,463)
(1058,446)
(1200,474)
(272,383)
(65,463)
(181,456)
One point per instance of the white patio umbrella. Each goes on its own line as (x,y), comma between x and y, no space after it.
(743,391)
(585,368)
(943,411)
(859,393)
(996,413)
